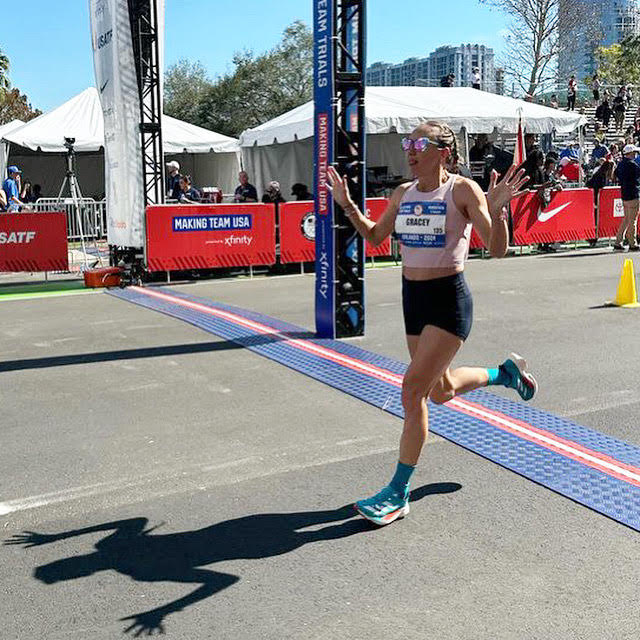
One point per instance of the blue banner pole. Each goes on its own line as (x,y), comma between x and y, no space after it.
(323,58)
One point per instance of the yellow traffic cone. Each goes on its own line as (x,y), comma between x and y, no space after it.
(627,295)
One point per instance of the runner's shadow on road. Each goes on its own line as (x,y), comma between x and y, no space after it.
(133,551)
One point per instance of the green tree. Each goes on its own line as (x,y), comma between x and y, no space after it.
(263,86)
(15,105)
(185,84)
(4,71)
(620,63)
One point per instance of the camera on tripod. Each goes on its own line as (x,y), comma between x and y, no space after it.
(69,142)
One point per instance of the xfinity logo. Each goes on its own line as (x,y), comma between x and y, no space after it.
(233,240)
(17,237)
(324,275)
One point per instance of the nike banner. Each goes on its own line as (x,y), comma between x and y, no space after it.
(569,216)
(117,84)
(610,211)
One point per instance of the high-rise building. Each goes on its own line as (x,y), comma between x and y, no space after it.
(608,22)
(444,60)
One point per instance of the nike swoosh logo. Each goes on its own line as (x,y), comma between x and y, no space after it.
(104,86)
(547,215)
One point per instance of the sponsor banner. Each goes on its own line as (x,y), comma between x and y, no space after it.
(569,216)
(206,236)
(298,226)
(475,242)
(610,211)
(297,232)
(323,29)
(33,242)
(117,84)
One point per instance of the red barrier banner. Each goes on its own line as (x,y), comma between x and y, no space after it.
(33,242)
(375,209)
(569,216)
(610,211)
(203,236)
(297,231)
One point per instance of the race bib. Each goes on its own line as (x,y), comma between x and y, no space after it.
(422,224)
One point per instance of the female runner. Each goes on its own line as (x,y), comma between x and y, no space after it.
(432,218)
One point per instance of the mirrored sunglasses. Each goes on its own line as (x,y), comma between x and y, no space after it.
(419,144)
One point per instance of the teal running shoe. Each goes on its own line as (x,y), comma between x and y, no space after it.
(384,507)
(521,380)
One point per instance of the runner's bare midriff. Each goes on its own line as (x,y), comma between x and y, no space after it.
(430,273)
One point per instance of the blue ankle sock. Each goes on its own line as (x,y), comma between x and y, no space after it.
(498,376)
(401,478)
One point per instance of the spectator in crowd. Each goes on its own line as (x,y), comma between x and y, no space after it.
(301,191)
(188,193)
(493,157)
(599,133)
(36,193)
(475,78)
(595,87)
(11,188)
(173,180)
(619,108)
(616,156)
(448,81)
(628,174)
(602,175)
(572,90)
(546,183)
(3,201)
(629,95)
(570,168)
(603,112)
(554,101)
(273,194)
(598,153)
(245,191)
(26,193)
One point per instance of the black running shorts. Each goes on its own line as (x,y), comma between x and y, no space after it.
(443,302)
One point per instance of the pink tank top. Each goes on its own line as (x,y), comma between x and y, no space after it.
(431,230)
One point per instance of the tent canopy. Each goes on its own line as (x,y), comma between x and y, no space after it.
(10,126)
(401,109)
(81,118)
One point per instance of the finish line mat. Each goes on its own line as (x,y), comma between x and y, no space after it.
(591,468)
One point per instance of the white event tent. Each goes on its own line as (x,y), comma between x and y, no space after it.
(4,146)
(282,149)
(37,147)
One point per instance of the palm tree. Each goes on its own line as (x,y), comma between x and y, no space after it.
(4,70)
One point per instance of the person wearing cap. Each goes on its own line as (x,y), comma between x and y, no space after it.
(628,174)
(245,191)
(273,193)
(11,188)
(173,180)
(301,191)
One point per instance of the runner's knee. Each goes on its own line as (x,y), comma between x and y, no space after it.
(441,392)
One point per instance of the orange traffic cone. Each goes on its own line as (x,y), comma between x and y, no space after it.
(627,295)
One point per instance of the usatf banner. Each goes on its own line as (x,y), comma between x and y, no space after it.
(33,242)
(323,28)
(205,236)
(117,84)
(569,216)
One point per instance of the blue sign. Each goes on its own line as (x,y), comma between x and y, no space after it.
(323,58)
(230,222)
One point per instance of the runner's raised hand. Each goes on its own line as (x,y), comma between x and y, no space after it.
(337,185)
(501,193)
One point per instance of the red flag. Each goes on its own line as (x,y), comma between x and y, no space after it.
(519,155)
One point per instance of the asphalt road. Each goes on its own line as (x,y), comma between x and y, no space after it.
(179,483)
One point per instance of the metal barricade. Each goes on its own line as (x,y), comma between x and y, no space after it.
(89,220)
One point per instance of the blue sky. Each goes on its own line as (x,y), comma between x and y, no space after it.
(49,44)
